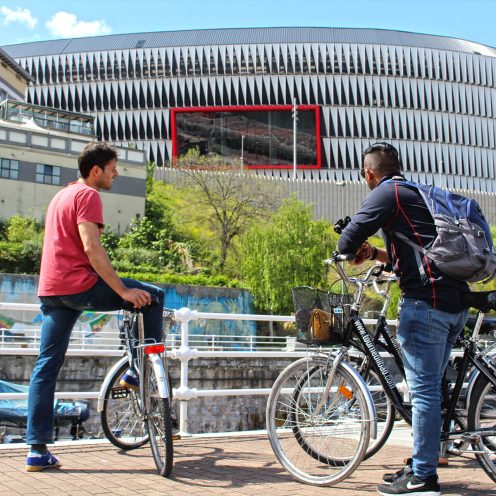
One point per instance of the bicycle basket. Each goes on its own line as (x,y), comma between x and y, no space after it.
(321,317)
(167,321)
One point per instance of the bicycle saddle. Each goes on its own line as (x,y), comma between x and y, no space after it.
(128,306)
(482,300)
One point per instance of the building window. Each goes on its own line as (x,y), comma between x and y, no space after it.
(47,174)
(9,169)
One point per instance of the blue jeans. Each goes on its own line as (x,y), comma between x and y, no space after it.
(59,316)
(426,337)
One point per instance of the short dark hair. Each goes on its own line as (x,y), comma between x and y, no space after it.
(95,154)
(387,158)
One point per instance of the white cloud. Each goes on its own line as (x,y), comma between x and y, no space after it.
(67,25)
(22,16)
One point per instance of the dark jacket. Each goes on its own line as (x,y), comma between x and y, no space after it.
(394,207)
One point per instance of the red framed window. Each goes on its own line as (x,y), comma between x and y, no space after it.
(259,136)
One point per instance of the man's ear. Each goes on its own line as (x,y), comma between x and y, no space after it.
(94,171)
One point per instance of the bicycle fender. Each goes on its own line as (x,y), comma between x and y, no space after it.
(106,383)
(471,381)
(159,370)
(368,397)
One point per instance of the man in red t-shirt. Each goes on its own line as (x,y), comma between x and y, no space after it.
(76,275)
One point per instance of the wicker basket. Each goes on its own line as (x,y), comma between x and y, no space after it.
(321,317)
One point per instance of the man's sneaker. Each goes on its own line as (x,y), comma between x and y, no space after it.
(412,485)
(130,380)
(390,478)
(36,462)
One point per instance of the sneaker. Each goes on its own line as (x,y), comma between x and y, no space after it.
(412,485)
(130,380)
(398,475)
(36,462)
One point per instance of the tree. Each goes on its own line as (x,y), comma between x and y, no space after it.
(286,252)
(224,197)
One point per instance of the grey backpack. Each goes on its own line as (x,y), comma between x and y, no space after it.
(463,248)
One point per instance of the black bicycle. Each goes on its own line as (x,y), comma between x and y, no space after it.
(320,414)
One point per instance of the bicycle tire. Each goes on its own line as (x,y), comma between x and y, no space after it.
(158,421)
(122,424)
(482,413)
(385,412)
(327,448)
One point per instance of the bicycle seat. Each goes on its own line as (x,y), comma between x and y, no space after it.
(128,306)
(482,300)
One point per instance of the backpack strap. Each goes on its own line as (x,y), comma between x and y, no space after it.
(417,250)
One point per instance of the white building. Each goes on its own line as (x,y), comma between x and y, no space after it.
(231,91)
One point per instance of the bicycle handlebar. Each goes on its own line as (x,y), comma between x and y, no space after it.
(129,307)
(374,272)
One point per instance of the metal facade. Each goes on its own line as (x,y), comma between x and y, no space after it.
(434,99)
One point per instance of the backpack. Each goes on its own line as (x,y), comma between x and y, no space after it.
(463,247)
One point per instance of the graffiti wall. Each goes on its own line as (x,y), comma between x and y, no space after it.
(22,289)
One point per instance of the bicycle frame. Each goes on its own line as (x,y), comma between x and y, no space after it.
(368,347)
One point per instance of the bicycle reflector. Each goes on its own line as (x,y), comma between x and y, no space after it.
(347,393)
(153,349)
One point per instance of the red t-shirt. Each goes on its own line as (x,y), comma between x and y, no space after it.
(65,267)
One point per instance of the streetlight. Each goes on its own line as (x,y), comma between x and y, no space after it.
(242,148)
(295,120)
(439,163)
(342,185)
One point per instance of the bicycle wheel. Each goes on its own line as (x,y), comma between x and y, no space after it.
(158,420)
(482,414)
(385,411)
(317,447)
(121,419)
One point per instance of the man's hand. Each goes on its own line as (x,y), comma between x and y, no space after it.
(363,253)
(138,297)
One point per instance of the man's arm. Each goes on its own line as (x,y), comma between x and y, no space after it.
(377,209)
(90,237)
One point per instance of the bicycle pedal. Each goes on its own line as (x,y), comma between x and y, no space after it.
(471,438)
(175,437)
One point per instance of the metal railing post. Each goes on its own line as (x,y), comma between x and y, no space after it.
(184,393)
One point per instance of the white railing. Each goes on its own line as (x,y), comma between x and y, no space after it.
(181,350)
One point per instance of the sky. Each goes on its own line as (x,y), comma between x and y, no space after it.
(35,20)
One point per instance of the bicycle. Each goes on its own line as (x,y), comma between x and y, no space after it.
(314,395)
(132,418)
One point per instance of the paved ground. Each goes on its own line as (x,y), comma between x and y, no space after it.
(210,466)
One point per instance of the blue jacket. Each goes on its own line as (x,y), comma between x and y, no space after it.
(394,207)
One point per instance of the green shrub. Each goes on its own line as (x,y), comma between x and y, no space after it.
(19,229)
(20,257)
(187,280)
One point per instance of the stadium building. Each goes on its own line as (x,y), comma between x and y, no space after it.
(232,92)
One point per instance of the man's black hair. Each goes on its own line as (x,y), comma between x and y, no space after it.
(95,154)
(387,160)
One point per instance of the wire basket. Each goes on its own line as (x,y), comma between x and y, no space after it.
(168,321)
(321,317)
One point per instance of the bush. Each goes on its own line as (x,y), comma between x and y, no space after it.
(19,229)
(20,248)
(132,258)
(186,280)
(21,257)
